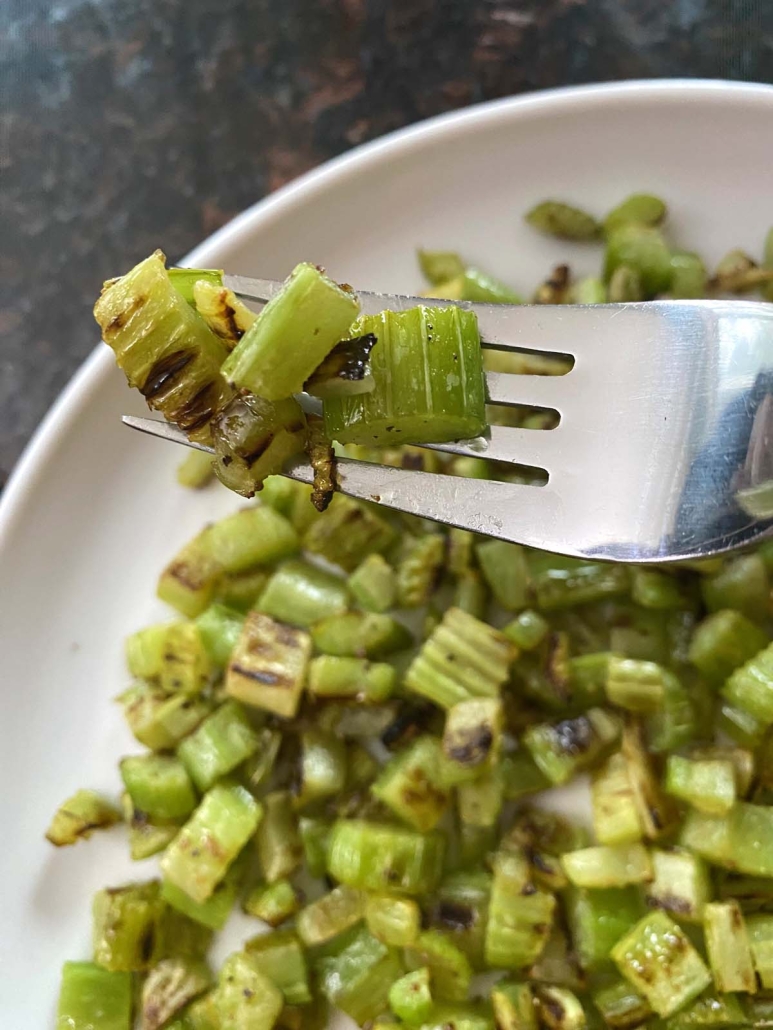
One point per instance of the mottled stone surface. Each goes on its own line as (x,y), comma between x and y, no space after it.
(128,123)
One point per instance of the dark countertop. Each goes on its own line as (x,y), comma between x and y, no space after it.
(124,123)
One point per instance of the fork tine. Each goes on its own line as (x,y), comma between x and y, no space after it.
(529,390)
(536,447)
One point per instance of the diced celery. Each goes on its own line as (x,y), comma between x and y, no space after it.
(615,812)
(226,315)
(411,784)
(656,811)
(360,635)
(278,841)
(621,1006)
(723,641)
(268,665)
(274,903)
(520,916)
(636,685)
(608,866)
(323,766)
(560,749)
(220,743)
(514,1007)
(283,961)
(126,926)
(741,583)
(78,817)
(449,967)
(506,571)
(329,916)
(410,997)
(159,785)
(598,919)
(245,999)
(347,532)
(373,584)
(557,587)
(527,630)
(358,979)
(419,570)
(750,833)
(300,594)
(354,679)
(146,838)
(760,931)
(727,944)
(680,884)
(393,921)
(750,687)
(376,857)
(93,998)
(707,784)
(219,628)
(169,987)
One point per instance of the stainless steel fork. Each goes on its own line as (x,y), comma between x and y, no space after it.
(664,449)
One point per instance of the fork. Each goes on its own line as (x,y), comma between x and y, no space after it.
(663,450)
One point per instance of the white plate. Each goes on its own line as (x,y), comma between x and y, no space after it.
(92,511)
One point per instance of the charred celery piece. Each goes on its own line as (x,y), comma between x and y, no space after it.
(226,315)
(185,666)
(637,686)
(314,838)
(656,810)
(254,438)
(78,817)
(241,590)
(760,931)
(245,998)
(750,835)
(222,741)
(93,998)
(323,767)
(274,903)
(514,1007)
(472,1016)
(164,347)
(711,1009)
(298,327)
(411,785)
(410,997)
(607,866)
(742,584)
(158,720)
(680,884)
(256,770)
(331,915)
(283,961)
(750,687)
(460,909)
(463,658)
(521,776)
(347,533)
(556,587)
(184,280)
(169,987)
(345,372)
(145,651)
(219,629)
(708,836)
(472,738)
(373,584)
(418,572)
(360,635)
(598,919)
(393,921)
(146,838)
(506,571)
(428,374)
(722,642)
(563,748)
(159,785)
(268,665)
(527,630)
(188,581)
(253,536)
(375,857)
(657,958)
(449,967)
(616,817)
(621,1006)
(278,841)
(355,679)
(520,916)
(706,784)
(214,912)
(300,594)
(198,858)
(555,218)
(559,1008)
(479,803)
(358,979)
(126,926)
(727,944)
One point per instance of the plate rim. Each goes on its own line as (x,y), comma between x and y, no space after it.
(88,377)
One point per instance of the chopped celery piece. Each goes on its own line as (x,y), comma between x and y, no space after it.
(727,944)
(560,1008)
(245,999)
(283,961)
(329,916)
(198,858)
(360,635)
(639,209)
(708,836)
(145,651)
(274,903)
(241,590)
(506,571)
(347,532)
(653,589)
(92,998)
(219,629)
(638,686)
(250,537)
(419,571)
(279,844)
(471,594)
(354,679)
(463,658)
(480,802)
(410,997)
(298,327)
(220,743)
(527,630)
(723,641)
(169,987)
(514,1007)
(680,884)
(557,588)
(521,776)
(520,916)
(301,594)
(213,912)
(345,372)
(159,785)
(642,249)
(741,583)
(750,834)
(707,784)
(760,931)
(78,817)
(449,967)
(188,581)
(711,1009)
(561,749)
(656,811)
(184,280)
(393,921)
(158,720)
(750,687)
(439,266)
(268,665)
(608,866)
(740,725)
(411,784)
(461,911)
(616,817)
(185,665)
(472,738)
(657,958)
(556,218)
(164,347)
(126,926)
(358,979)
(460,1017)
(428,374)
(621,1006)
(314,838)
(373,584)
(375,857)
(323,767)
(226,315)
(598,919)
(146,838)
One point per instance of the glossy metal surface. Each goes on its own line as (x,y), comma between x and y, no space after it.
(664,446)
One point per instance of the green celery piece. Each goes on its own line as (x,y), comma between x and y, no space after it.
(126,926)
(723,641)
(635,685)
(146,838)
(268,665)
(93,998)
(159,720)
(483,288)
(589,290)
(278,841)
(638,209)
(460,909)
(195,470)
(560,1007)
(562,748)
(680,884)
(657,958)
(463,658)
(651,588)
(472,738)
(354,679)
(78,816)
(429,387)
(506,571)
(375,857)
(438,266)
(471,594)
(360,635)
(215,910)
(358,979)
(283,961)
(347,532)
(329,916)
(689,278)
(300,594)
(708,784)
(479,802)
(741,726)
(520,916)
(145,650)
(245,999)
(219,629)
(750,835)
(169,987)
(314,838)
(616,817)
(513,1005)
(185,666)
(158,785)
(710,1010)
(184,280)
(240,591)
(621,1006)
(760,930)
(226,315)
(373,584)
(253,536)
(644,250)
(566,222)
(393,921)
(750,687)
(557,587)
(521,776)
(598,919)
(708,836)
(656,810)
(410,997)
(471,1016)
(410,784)
(307,317)
(323,767)
(198,858)
(188,582)
(274,903)
(605,866)
(449,966)
(727,944)
(221,742)
(419,570)
(527,630)
(164,347)
(742,584)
